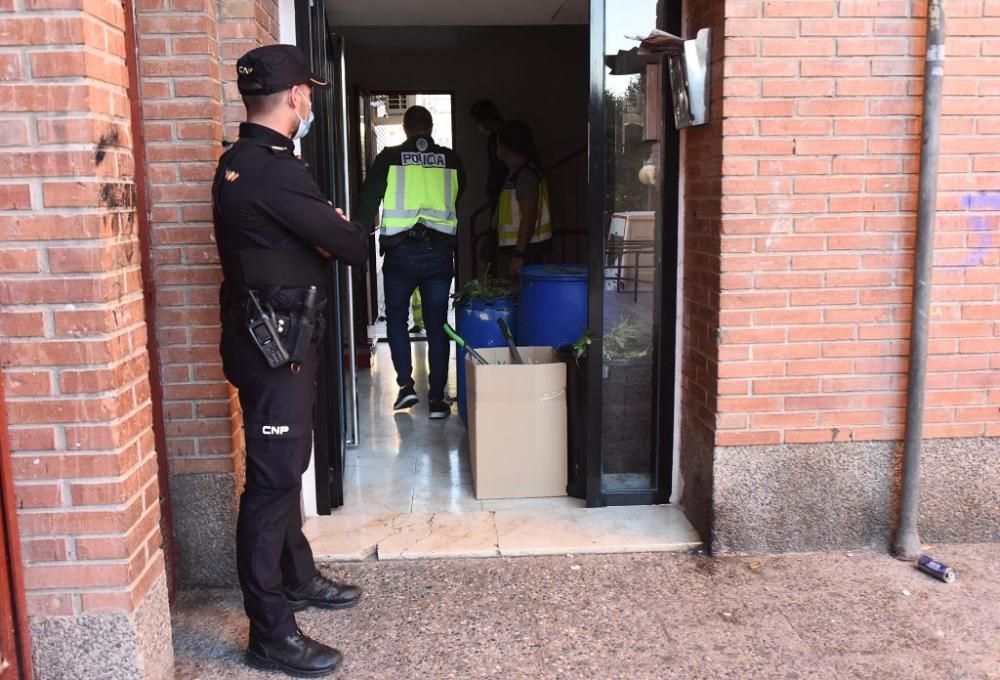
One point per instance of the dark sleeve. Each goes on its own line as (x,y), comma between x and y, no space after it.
(526,185)
(497,175)
(461,178)
(292,199)
(373,191)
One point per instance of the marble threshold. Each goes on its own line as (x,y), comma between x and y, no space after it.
(510,529)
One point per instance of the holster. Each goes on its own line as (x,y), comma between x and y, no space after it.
(302,325)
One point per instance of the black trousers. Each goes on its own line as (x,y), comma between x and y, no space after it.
(271,550)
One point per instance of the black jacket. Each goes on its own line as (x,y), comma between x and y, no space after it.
(270,217)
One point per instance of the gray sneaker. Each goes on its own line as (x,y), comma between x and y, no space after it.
(440,409)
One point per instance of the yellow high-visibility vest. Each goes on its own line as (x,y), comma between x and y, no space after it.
(509,214)
(421,190)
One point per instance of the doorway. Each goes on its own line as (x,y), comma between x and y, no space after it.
(625,227)
(380,115)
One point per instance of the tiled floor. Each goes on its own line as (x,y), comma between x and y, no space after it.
(409,494)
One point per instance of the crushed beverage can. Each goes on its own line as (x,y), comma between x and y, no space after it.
(941,572)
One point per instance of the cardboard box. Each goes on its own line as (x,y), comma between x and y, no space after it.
(517,424)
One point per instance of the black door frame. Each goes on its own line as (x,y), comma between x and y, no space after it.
(320,150)
(665,355)
(322,147)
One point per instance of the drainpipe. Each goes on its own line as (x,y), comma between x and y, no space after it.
(906,545)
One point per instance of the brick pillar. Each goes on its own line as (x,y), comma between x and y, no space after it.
(188,50)
(73,345)
(822,103)
(243,25)
(182,122)
(702,170)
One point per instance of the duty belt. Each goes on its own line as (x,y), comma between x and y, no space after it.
(284,336)
(420,233)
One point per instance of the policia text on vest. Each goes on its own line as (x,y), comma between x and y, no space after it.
(419,182)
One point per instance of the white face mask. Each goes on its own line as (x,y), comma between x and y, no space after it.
(304,123)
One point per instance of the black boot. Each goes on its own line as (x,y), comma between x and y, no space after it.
(297,655)
(321,592)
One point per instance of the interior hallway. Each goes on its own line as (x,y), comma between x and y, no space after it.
(409,494)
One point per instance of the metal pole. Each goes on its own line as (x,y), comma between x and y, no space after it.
(906,545)
(353,439)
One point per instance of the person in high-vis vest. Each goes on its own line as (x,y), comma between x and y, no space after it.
(524,223)
(418,185)
(418,313)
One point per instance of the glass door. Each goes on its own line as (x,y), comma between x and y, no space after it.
(633,259)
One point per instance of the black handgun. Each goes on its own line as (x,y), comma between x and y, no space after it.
(304,325)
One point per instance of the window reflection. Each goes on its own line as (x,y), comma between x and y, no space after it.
(632,100)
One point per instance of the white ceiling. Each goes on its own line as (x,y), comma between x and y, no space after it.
(456,12)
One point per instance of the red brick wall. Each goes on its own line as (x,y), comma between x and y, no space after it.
(243,25)
(703,166)
(187,56)
(703,207)
(73,342)
(187,64)
(821,141)
(181,94)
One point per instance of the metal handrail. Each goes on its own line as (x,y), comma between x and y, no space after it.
(572,155)
(620,249)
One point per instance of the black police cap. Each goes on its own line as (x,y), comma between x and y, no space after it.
(273,68)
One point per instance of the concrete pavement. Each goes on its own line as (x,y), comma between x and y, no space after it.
(829,615)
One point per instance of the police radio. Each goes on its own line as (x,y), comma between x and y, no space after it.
(264,333)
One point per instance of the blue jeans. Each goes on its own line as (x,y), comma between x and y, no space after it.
(429,266)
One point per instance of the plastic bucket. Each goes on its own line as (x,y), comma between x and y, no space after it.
(552,310)
(476,322)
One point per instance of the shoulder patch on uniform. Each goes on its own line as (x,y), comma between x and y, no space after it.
(232,175)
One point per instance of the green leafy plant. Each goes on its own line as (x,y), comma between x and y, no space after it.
(482,288)
(627,340)
(581,348)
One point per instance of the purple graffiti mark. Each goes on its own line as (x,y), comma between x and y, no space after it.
(982,202)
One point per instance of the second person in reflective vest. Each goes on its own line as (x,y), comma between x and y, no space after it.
(524,225)
(418,184)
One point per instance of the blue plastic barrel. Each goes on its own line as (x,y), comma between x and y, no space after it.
(552,310)
(476,322)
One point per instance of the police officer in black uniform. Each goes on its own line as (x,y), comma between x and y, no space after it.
(276,232)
